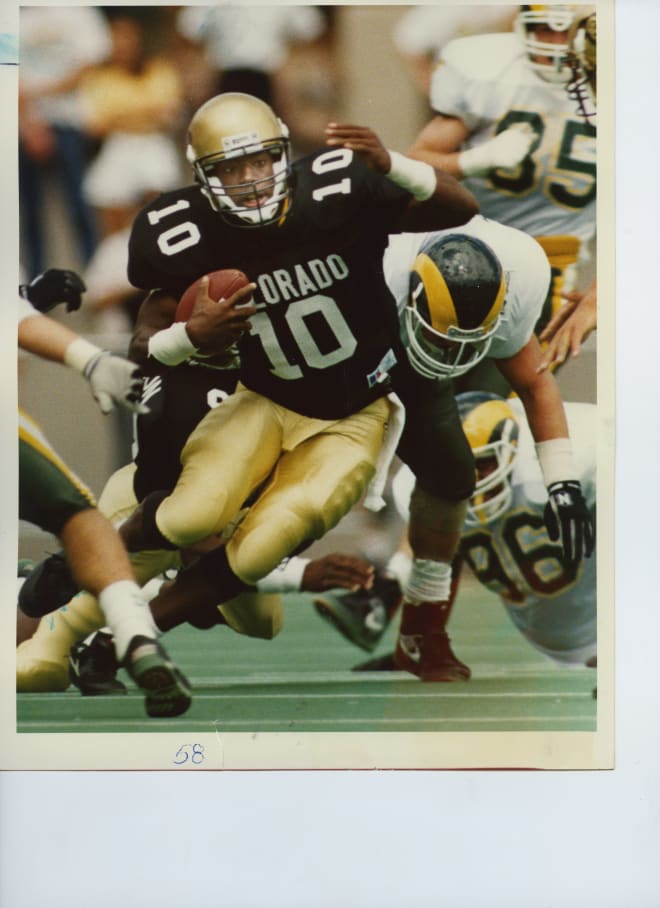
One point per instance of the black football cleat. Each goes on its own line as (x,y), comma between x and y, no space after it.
(47,587)
(93,666)
(364,616)
(167,690)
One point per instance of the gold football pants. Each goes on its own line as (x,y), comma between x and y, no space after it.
(315,471)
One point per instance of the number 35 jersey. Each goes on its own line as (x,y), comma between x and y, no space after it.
(485,80)
(326,330)
(551,603)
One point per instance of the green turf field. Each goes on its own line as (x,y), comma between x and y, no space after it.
(302,682)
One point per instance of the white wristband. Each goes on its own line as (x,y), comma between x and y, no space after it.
(172,345)
(417,177)
(79,352)
(556,460)
(286,578)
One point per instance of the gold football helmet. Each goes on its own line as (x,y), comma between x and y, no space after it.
(547,58)
(491,429)
(455,301)
(240,154)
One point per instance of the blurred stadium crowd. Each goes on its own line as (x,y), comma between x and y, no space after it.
(106,94)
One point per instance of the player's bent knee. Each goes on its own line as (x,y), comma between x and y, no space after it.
(278,528)
(185,519)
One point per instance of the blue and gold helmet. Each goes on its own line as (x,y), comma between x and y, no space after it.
(456,294)
(491,428)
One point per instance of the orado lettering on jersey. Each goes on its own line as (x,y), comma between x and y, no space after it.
(286,284)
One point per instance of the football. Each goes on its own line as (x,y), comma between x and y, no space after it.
(221,286)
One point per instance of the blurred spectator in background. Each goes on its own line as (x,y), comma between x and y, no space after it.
(422,32)
(133,105)
(110,300)
(309,86)
(58,45)
(247,45)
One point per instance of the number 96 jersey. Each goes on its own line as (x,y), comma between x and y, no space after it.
(486,81)
(326,330)
(551,603)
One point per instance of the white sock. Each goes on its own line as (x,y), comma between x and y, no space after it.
(127,614)
(429,581)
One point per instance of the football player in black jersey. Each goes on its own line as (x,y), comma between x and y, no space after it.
(309,415)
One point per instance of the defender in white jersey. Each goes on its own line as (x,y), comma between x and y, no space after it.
(442,345)
(526,272)
(573,323)
(505,543)
(506,125)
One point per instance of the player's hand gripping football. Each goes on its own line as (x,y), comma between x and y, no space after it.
(363,141)
(567,518)
(333,571)
(215,325)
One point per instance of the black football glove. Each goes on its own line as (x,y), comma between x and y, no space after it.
(567,516)
(52,287)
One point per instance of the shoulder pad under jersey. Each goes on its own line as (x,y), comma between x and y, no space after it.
(482,58)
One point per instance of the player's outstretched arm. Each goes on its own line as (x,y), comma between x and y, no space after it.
(567,516)
(438,200)
(569,328)
(112,379)
(440,144)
